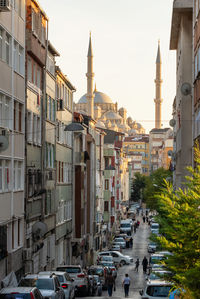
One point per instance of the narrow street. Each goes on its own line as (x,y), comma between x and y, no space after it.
(139,250)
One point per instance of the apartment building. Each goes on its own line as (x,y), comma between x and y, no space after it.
(181,41)
(12,126)
(160,143)
(36,51)
(196,72)
(137,151)
(64,177)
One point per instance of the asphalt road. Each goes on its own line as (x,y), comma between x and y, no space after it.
(139,250)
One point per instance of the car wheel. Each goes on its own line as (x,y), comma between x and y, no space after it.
(123,262)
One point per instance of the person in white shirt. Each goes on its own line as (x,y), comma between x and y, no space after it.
(126,285)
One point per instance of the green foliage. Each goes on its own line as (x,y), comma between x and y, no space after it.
(154,185)
(138,185)
(179,218)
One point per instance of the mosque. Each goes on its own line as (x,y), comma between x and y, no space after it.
(100,107)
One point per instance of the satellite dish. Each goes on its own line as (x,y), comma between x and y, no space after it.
(172,122)
(3,143)
(39,229)
(186,89)
(170,153)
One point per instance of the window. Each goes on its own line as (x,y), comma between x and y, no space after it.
(15,56)
(6,175)
(35,128)
(106,206)
(1,42)
(38,77)
(7,44)
(5,108)
(51,65)
(38,131)
(51,108)
(18,175)
(106,184)
(29,69)
(18,112)
(29,127)
(21,60)
(50,155)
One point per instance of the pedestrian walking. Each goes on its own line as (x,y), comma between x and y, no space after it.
(131,242)
(145,264)
(110,282)
(135,227)
(144,219)
(126,284)
(137,263)
(147,219)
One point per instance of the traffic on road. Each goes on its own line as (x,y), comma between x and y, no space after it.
(131,267)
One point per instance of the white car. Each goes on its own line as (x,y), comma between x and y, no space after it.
(120,241)
(156,290)
(118,257)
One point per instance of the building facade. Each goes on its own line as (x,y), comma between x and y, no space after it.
(64,173)
(181,41)
(12,123)
(137,151)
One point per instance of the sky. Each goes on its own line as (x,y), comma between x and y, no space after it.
(125,36)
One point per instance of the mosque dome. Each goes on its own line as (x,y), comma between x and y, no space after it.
(99,98)
(132,132)
(100,124)
(112,115)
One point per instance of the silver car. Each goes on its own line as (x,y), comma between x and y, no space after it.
(66,282)
(48,285)
(81,280)
(20,293)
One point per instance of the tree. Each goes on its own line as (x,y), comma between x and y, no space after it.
(179,218)
(138,185)
(154,185)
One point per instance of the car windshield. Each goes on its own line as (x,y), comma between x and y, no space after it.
(60,278)
(45,284)
(73,270)
(96,271)
(28,282)
(15,296)
(157,259)
(155,226)
(158,291)
(125,225)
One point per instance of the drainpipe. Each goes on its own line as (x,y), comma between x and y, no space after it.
(43,124)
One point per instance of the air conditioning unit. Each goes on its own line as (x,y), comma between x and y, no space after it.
(60,105)
(5,5)
(27,254)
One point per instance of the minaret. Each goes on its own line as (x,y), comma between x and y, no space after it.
(158,81)
(90,76)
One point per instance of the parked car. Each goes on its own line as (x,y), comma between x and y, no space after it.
(151,247)
(20,293)
(105,258)
(81,280)
(156,267)
(156,259)
(107,264)
(158,275)
(66,282)
(100,271)
(116,248)
(119,241)
(126,226)
(48,285)
(156,290)
(118,257)
(99,285)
